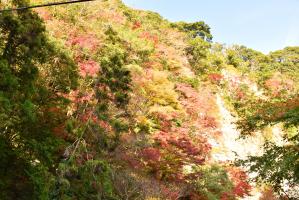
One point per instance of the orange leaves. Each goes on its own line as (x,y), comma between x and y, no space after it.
(240,180)
(104,125)
(200,106)
(273,84)
(276,84)
(88,116)
(152,64)
(44,14)
(215,78)
(268,194)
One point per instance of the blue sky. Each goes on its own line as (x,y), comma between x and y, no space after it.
(264,25)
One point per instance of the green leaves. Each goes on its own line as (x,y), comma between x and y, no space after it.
(196,29)
(8,80)
(29,111)
(198,50)
(276,73)
(114,73)
(91,180)
(278,166)
(213,182)
(27,91)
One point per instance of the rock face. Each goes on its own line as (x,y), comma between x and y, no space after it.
(229,146)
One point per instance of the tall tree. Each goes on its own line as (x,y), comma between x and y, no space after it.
(29,104)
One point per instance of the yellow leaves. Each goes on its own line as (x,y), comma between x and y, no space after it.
(268,133)
(153,198)
(161,109)
(161,91)
(142,120)
(144,124)
(153,93)
(137,43)
(135,69)
(174,65)
(292,131)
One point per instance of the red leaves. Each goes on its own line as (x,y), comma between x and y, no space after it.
(240,181)
(241,189)
(176,149)
(209,122)
(89,42)
(170,193)
(215,78)
(275,86)
(130,160)
(88,116)
(136,25)
(105,125)
(194,101)
(150,37)
(199,105)
(186,90)
(185,145)
(89,68)
(240,94)
(151,154)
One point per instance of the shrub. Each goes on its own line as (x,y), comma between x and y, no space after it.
(213,183)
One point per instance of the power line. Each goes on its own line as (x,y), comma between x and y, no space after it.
(44,5)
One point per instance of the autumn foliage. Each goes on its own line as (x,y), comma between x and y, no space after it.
(101,101)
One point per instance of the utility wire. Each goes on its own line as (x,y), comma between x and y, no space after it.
(44,5)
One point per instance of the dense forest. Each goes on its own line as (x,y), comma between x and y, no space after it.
(99,101)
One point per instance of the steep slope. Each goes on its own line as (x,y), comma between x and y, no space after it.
(158,108)
(171,114)
(173,109)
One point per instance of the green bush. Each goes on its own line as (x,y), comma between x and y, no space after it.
(213,182)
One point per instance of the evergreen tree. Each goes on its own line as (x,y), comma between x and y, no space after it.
(29,150)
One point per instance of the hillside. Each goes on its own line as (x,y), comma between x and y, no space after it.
(101,101)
